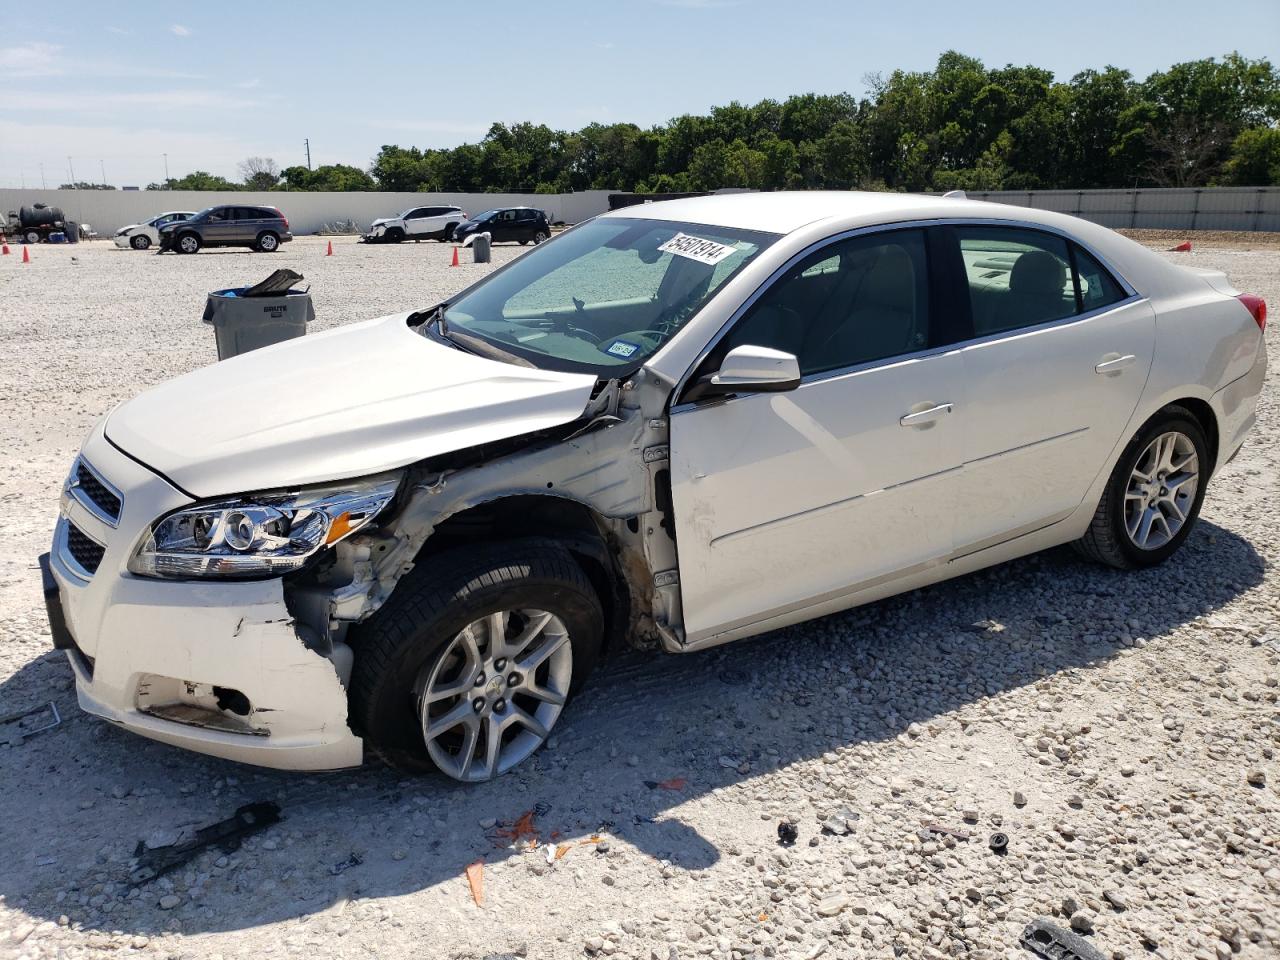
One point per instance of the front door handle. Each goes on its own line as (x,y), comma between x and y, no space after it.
(1115,365)
(926,417)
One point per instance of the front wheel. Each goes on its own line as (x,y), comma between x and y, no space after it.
(467,667)
(32,237)
(188,243)
(140,242)
(395,235)
(1152,500)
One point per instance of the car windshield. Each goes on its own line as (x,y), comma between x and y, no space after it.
(203,213)
(487,215)
(603,297)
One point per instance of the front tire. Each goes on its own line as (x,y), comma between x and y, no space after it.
(140,242)
(395,235)
(188,243)
(32,237)
(468,665)
(1152,499)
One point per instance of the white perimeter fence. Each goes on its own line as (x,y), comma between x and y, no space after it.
(1207,208)
(1210,208)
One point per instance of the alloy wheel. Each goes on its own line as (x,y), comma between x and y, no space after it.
(492,696)
(189,244)
(1161,490)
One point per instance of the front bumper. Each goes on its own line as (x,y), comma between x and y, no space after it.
(210,666)
(121,240)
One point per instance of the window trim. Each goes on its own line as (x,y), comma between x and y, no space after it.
(678,403)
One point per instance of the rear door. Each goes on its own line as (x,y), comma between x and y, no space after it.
(786,501)
(1057,359)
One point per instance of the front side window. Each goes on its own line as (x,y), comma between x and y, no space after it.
(219,215)
(605,296)
(858,300)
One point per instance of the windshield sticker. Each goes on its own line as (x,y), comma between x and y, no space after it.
(696,248)
(620,348)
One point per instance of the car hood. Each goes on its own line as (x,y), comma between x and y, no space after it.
(352,401)
(383,221)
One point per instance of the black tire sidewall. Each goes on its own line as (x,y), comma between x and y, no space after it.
(1179,421)
(140,242)
(395,235)
(389,721)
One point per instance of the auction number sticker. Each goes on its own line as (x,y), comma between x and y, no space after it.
(696,248)
(620,348)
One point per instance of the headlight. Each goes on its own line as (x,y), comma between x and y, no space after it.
(261,535)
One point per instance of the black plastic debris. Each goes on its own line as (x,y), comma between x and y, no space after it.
(787,833)
(1052,942)
(998,842)
(274,285)
(343,865)
(225,835)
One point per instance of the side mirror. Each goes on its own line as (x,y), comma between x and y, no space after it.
(751,369)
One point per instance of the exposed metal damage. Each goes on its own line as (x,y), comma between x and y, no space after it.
(599,484)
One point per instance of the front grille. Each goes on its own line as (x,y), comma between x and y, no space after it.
(93,488)
(88,553)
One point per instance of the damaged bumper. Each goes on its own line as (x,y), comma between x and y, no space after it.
(218,668)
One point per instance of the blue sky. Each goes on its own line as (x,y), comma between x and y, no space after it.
(116,85)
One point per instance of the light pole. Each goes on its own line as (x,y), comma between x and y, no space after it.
(72,171)
(43,185)
(166,167)
(103,167)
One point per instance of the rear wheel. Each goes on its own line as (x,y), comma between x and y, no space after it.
(539,237)
(1153,498)
(188,243)
(267,242)
(140,242)
(447,235)
(468,666)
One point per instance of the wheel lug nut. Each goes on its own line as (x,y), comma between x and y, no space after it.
(477,704)
(499,664)
(513,680)
(500,706)
(480,679)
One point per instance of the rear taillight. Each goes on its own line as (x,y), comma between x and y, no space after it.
(1257,308)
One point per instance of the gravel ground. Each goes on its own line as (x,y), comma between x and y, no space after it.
(1120,729)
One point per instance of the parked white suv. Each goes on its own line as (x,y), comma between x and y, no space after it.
(418,223)
(141,236)
(685,423)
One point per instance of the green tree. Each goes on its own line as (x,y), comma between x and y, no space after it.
(200,180)
(338,177)
(1255,159)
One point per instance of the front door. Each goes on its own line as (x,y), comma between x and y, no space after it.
(788,500)
(1058,360)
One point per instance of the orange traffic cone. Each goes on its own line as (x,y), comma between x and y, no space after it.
(26,255)
(1184,247)
(329,253)
(455,257)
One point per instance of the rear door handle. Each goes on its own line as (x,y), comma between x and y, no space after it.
(1115,365)
(925,418)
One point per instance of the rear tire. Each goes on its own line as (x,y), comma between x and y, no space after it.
(402,649)
(539,237)
(140,242)
(267,242)
(1137,521)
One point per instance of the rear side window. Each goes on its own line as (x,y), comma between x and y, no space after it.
(858,300)
(1016,278)
(1020,278)
(1098,288)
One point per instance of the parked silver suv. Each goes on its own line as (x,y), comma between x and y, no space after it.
(259,228)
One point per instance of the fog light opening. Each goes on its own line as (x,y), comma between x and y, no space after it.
(232,701)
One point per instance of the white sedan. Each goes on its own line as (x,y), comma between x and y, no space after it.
(141,236)
(687,422)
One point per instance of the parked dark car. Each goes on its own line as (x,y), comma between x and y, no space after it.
(520,224)
(258,228)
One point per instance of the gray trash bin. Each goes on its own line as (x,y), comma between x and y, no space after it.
(245,320)
(480,247)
